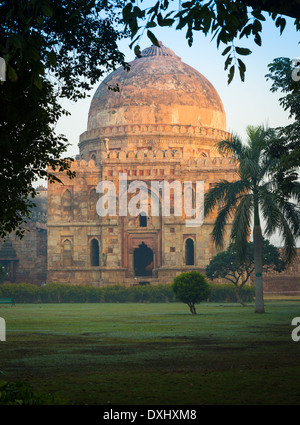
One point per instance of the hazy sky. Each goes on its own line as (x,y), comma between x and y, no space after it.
(245,103)
(249,102)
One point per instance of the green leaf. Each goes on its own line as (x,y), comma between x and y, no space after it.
(11,73)
(233,20)
(47,9)
(137,51)
(242,65)
(126,11)
(152,37)
(40,20)
(33,53)
(38,83)
(167,22)
(227,62)
(231,74)
(151,24)
(243,51)
(257,26)
(16,40)
(246,31)
(257,39)
(159,19)
(258,15)
(280,22)
(226,51)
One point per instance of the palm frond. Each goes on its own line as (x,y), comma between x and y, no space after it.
(237,188)
(250,169)
(224,192)
(291,213)
(231,146)
(269,209)
(290,250)
(257,139)
(215,195)
(241,229)
(224,214)
(295,192)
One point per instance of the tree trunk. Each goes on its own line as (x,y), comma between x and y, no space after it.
(259,296)
(192,308)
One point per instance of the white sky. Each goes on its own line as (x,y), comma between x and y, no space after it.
(245,103)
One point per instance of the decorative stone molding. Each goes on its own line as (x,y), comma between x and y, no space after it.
(84,166)
(162,129)
(166,155)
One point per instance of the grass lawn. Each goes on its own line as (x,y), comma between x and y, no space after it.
(123,354)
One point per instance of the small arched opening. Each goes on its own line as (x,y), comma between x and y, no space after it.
(94,253)
(189,252)
(67,201)
(67,253)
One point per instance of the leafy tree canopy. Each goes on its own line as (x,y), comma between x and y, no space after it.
(285,146)
(52,49)
(227,21)
(227,264)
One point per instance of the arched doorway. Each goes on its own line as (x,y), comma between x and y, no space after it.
(189,252)
(143,260)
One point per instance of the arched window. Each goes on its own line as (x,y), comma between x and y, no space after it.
(94,253)
(67,253)
(67,201)
(189,252)
(143,220)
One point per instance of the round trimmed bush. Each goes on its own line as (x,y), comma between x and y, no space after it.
(191,288)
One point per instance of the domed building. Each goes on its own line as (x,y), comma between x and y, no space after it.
(154,124)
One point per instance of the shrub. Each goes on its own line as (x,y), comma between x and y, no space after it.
(63,293)
(227,293)
(21,293)
(191,288)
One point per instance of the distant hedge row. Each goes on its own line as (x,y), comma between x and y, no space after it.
(63,293)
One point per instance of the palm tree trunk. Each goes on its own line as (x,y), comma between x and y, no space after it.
(259,296)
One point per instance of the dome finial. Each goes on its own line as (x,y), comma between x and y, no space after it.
(158,51)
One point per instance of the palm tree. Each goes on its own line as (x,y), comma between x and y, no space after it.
(255,195)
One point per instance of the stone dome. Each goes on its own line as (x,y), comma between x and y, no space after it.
(158,89)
